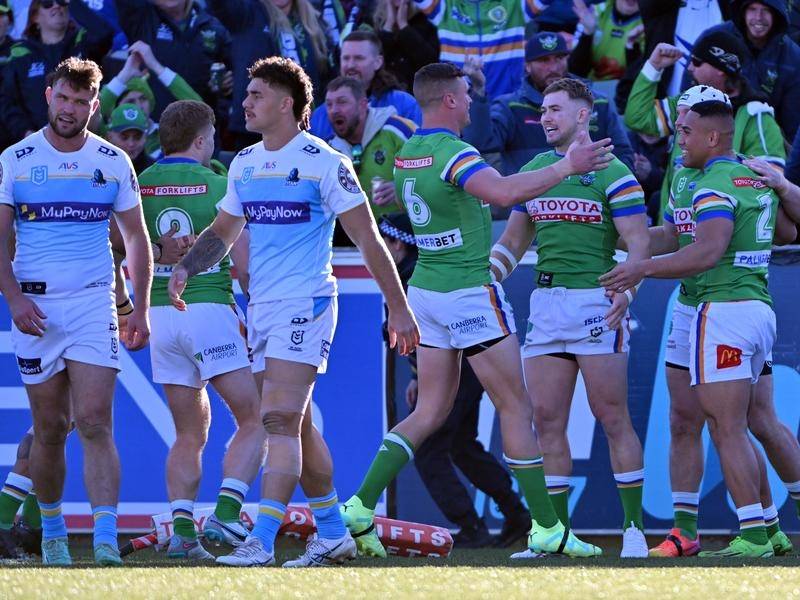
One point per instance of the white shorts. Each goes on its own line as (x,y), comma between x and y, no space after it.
(677,351)
(192,346)
(255,345)
(731,340)
(572,321)
(81,329)
(297,329)
(461,318)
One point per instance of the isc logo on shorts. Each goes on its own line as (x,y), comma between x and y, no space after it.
(728,356)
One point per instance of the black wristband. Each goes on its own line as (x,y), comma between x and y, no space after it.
(124,304)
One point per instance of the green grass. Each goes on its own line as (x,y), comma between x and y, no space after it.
(466,574)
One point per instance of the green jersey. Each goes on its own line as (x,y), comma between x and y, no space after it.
(575,232)
(453,230)
(182,192)
(756,133)
(730,190)
(680,212)
(610,40)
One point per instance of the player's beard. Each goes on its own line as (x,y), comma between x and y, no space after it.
(66,131)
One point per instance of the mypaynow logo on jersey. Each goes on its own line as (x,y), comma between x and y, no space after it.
(277,212)
(73,212)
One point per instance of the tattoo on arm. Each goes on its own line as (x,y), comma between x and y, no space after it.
(207,251)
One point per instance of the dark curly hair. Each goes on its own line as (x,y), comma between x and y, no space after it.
(285,73)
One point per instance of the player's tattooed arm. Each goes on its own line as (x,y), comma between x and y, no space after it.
(207,251)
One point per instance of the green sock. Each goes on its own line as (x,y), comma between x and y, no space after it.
(395,451)
(229,502)
(771,520)
(13,494)
(530,476)
(558,488)
(629,486)
(755,535)
(31,513)
(773,529)
(183,518)
(684,507)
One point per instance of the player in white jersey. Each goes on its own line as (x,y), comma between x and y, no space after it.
(58,187)
(290,188)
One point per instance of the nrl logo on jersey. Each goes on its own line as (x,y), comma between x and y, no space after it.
(39,175)
(247,175)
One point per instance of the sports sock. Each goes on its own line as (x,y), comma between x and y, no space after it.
(685,508)
(629,486)
(771,521)
(751,524)
(230,499)
(794,492)
(13,494)
(270,517)
(105,525)
(558,488)
(327,516)
(530,476)
(183,518)
(395,451)
(53,524)
(31,513)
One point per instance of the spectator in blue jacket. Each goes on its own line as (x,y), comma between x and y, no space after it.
(793,162)
(362,58)
(51,35)
(183,37)
(773,63)
(511,124)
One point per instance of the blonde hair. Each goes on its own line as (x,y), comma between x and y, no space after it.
(382,8)
(309,19)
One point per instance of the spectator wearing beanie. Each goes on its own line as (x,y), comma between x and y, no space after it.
(51,36)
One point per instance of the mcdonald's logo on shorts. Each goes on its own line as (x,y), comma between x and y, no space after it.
(728,356)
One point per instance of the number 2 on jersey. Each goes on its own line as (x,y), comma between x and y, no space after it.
(418,211)
(764,230)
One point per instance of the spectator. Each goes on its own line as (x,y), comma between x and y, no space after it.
(20,9)
(494,32)
(609,34)
(362,58)
(715,61)
(511,126)
(370,137)
(130,86)
(50,37)
(128,130)
(793,163)
(409,40)
(183,37)
(772,63)
(649,158)
(6,24)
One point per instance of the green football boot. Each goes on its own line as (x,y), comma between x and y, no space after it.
(359,521)
(741,548)
(781,544)
(559,540)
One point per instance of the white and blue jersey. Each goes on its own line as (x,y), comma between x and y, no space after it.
(62,203)
(290,198)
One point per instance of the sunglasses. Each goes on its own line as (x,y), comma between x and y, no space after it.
(51,3)
(696,61)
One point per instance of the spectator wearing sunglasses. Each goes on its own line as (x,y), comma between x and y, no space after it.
(370,136)
(716,61)
(51,35)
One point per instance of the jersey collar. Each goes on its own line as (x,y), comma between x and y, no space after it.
(433,130)
(178,160)
(717,159)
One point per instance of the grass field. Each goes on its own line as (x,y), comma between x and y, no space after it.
(466,574)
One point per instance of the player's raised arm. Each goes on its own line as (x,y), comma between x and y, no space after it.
(211,247)
(582,156)
(360,226)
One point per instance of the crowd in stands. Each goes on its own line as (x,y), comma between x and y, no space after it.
(362,55)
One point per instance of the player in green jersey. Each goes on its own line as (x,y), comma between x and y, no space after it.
(686,418)
(734,328)
(447,189)
(204,343)
(574,325)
